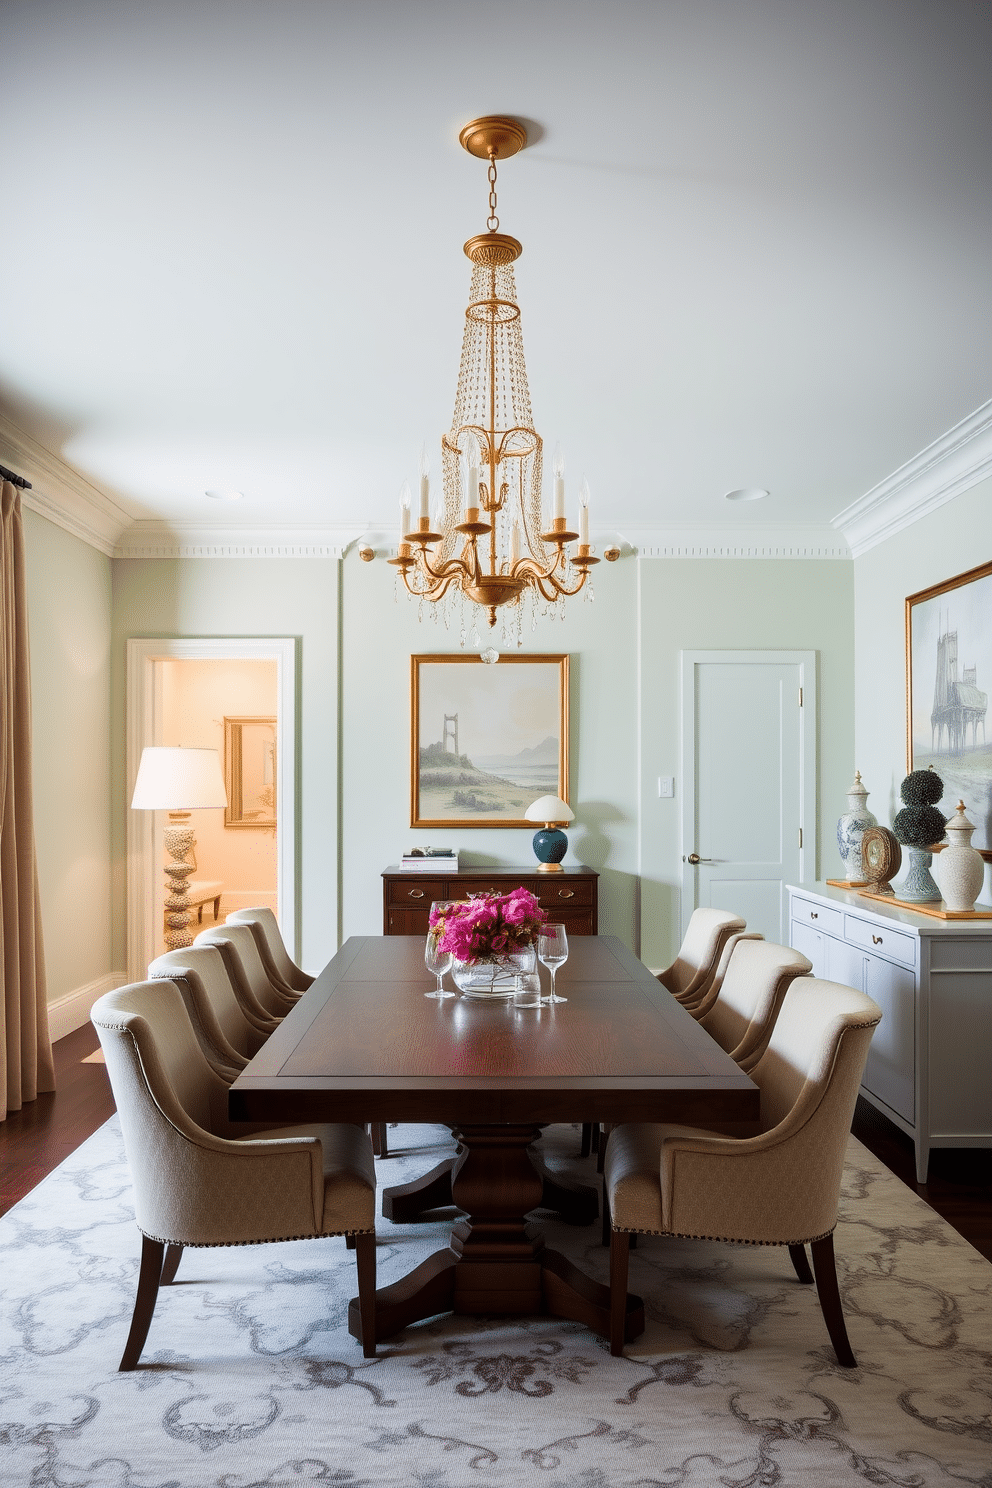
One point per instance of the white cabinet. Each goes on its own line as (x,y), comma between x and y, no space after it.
(928,1064)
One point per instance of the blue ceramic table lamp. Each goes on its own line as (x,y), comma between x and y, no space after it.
(550,843)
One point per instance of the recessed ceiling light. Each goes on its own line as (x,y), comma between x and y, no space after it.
(224,495)
(747,493)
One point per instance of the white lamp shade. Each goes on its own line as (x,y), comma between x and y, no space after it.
(549,809)
(178,780)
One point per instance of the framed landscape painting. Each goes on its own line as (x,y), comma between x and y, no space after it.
(486,740)
(948,679)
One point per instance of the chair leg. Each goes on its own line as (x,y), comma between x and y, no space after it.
(149,1274)
(380,1142)
(801,1262)
(590,1137)
(173,1255)
(828,1292)
(365,1260)
(619,1257)
(604,1137)
(607,1219)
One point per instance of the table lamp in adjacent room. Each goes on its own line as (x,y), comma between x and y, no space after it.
(178,781)
(550,843)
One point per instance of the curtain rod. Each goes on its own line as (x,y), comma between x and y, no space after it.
(15,480)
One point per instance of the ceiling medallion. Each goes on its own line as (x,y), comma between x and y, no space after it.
(487,541)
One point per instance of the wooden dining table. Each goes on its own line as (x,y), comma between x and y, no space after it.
(364,1044)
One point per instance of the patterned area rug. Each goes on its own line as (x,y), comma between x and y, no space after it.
(251,1380)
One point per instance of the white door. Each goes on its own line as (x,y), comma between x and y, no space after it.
(748,782)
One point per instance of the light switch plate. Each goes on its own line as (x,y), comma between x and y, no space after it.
(666,785)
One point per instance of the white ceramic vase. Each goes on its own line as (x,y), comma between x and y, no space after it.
(852,827)
(960,868)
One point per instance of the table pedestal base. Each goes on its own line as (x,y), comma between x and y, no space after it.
(496,1263)
(406,1203)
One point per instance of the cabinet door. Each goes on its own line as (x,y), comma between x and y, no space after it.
(811,943)
(846,964)
(890,1073)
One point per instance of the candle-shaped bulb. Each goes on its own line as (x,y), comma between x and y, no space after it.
(405,499)
(425,485)
(584,511)
(514,543)
(558,465)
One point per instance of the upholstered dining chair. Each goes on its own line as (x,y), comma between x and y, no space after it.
(225,1031)
(281,970)
(254,990)
(742,1016)
(202,1180)
(696,964)
(705,1001)
(778,1186)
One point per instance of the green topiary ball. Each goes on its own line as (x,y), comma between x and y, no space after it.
(919,826)
(922,788)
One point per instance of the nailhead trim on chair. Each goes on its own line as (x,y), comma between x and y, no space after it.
(725,1239)
(232,1244)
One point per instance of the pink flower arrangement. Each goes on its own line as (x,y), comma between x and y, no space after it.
(490,927)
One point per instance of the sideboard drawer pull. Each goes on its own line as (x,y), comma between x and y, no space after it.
(415,894)
(813,915)
(566,893)
(876,940)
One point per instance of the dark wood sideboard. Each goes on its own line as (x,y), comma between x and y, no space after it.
(571,896)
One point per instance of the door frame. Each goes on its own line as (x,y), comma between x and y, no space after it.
(806,661)
(142,724)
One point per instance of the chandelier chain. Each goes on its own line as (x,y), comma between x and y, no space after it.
(493,221)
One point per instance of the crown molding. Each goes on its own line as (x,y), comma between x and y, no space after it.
(796,541)
(958,459)
(60,494)
(196,540)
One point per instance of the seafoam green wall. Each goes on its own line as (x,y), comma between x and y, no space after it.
(69,605)
(950,540)
(356,641)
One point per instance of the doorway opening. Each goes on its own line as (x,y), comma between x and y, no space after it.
(237,697)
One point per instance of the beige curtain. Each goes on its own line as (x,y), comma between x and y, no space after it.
(27,1066)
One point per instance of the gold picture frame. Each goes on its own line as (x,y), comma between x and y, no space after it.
(948,679)
(250,772)
(486,740)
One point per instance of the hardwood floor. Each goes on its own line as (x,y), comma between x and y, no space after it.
(37,1138)
(43,1133)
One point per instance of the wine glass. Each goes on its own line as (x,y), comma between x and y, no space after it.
(552,951)
(437,961)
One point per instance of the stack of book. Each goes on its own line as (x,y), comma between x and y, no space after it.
(430,860)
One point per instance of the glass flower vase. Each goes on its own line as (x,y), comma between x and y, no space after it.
(496,979)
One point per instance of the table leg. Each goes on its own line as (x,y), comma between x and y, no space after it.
(496,1262)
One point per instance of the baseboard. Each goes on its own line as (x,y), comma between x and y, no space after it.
(70,1012)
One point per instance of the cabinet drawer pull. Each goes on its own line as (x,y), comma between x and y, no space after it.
(876,940)
(813,915)
(566,893)
(415,894)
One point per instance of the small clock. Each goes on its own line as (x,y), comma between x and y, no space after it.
(881,859)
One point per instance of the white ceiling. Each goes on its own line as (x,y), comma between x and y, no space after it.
(756,245)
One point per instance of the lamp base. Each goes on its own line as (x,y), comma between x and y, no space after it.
(550,845)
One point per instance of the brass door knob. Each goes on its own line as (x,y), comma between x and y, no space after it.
(695,858)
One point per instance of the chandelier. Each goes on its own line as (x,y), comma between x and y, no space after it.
(492,544)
